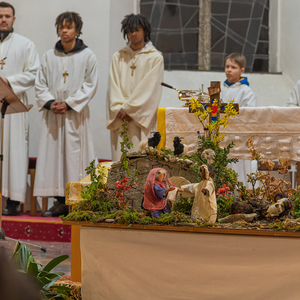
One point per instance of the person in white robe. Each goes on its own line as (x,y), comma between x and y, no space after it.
(134,91)
(294,99)
(237,88)
(205,203)
(65,84)
(19,64)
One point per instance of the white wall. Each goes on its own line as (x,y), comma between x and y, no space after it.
(270,89)
(289,29)
(101,32)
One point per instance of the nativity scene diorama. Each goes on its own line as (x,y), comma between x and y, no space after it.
(188,187)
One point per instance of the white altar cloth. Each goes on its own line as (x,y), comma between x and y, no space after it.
(276,131)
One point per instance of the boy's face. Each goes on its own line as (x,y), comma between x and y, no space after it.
(137,37)
(67,32)
(233,71)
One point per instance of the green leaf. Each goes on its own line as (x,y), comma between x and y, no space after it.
(54,262)
(48,285)
(32,267)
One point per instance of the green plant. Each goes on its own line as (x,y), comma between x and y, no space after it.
(224,203)
(24,262)
(126,145)
(224,175)
(184,205)
(97,195)
(297,204)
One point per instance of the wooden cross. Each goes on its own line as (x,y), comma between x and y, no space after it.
(2,63)
(216,107)
(65,76)
(132,67)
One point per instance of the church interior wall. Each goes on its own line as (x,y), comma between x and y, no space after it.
(101,32)
(270,89)
(289,27)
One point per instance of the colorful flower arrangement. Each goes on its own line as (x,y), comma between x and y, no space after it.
(224,191)
(211,126)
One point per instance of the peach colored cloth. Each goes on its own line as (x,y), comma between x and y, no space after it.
(276,131)
(149,264)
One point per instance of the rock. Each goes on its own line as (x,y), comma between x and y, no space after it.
(109,220)
(238,217)
(237,207)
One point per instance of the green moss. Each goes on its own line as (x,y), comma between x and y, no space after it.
(184,205)
(277,225)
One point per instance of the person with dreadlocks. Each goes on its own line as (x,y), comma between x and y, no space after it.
(133,90)
(65,84)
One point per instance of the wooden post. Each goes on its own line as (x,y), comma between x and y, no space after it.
(75,253)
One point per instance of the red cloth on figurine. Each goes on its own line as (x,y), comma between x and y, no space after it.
(151,202)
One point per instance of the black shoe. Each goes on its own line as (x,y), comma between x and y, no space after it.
(56,210)
(10,211)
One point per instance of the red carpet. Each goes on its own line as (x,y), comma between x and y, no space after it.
(38,228)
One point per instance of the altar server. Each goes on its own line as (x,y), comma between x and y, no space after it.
(65,84)
(134,91)
(19,63)
(237,87)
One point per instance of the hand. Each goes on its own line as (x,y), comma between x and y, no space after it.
(58,108)
(180,190)
(171,188)
(122,115)
(5,80)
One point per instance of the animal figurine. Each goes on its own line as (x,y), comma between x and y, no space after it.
(178,147)
(283,208)
(151,142)
(154,140)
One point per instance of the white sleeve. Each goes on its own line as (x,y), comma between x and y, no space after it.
(25,80)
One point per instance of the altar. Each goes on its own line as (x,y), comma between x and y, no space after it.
(167,262)
(276,131)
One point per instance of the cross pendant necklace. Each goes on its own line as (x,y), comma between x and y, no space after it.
(2,62)
(65,61)
(132,67)
(65,76)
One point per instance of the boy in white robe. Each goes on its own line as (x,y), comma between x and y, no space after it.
(19,63)
(294,99)
(65,84)
(237,88)
(134,91)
